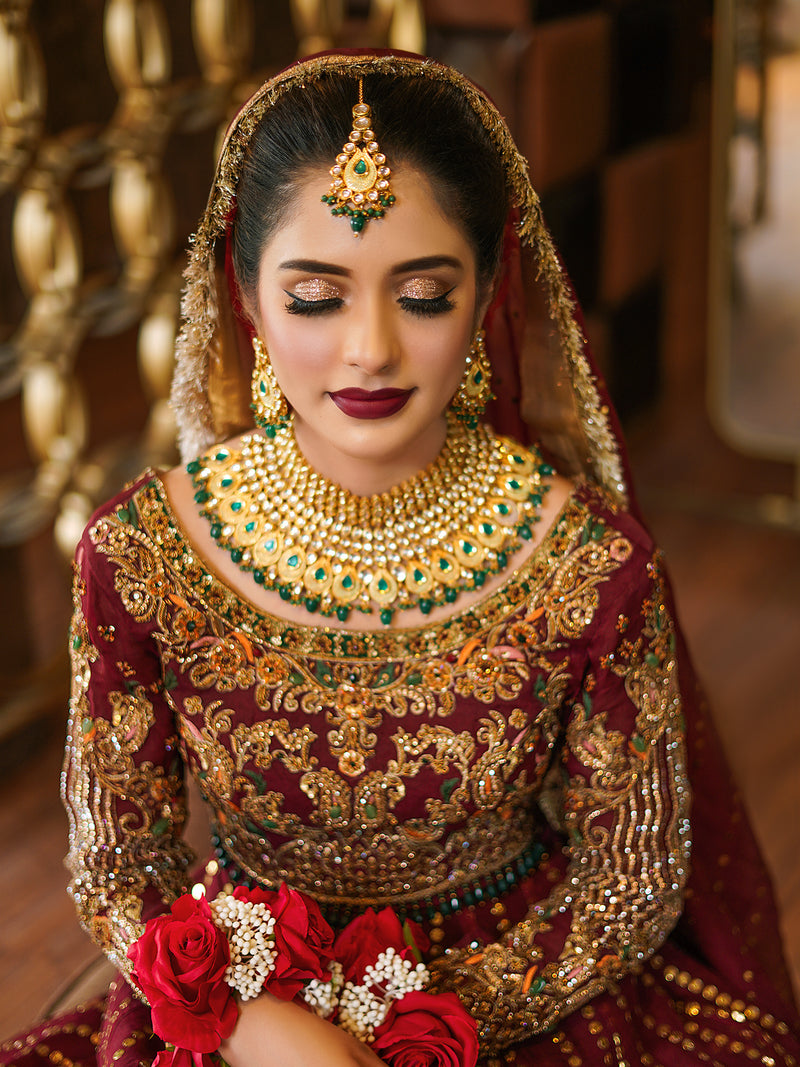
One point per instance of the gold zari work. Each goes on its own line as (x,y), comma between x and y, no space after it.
(390,767)
(439,533)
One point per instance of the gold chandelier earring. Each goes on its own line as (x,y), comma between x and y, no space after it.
(475,390)
(269,404)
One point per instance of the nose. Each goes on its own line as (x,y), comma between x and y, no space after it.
(371,344)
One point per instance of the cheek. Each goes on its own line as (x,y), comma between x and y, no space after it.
(299,349)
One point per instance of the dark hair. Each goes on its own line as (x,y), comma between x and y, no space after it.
(418,121)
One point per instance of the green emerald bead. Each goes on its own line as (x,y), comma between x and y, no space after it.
(259,577)
(311,603)
(236,555)
(502,560)
(479,578)
(216,530)
(360,167)
(201,496)
(450,595)
(391,199)
(536,499)
(546,469)
(342,612)
(193,467)
(285,592)
(426,606)
(386,616)
(525,532)
(269,430)
(357,223)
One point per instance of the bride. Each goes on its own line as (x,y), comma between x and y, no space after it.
(409,633)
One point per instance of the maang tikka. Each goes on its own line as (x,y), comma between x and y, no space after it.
(269,404)
(360,185)
(475,390)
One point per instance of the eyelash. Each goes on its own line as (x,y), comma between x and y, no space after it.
(424,308)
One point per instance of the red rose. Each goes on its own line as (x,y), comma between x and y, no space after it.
(427,1030)
(303,939)
(367,936)
(179,963)
(181,1057)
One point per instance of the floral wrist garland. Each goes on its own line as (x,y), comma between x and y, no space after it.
(369,980)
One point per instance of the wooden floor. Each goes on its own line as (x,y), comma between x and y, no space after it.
(738,588)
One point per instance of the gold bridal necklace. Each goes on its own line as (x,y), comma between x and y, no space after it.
(440,533)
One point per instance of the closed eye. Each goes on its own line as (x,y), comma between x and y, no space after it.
(296,305)
(426,306)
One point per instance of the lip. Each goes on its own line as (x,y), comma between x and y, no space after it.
(370,403)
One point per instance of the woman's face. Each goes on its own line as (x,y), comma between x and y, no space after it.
(368,336)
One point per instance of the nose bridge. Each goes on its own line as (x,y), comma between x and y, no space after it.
(372,344)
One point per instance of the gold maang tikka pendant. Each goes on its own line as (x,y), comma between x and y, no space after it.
(360,185)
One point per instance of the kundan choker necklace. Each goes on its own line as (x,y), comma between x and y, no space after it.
(440,533)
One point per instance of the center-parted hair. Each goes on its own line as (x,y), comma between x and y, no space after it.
(419,122)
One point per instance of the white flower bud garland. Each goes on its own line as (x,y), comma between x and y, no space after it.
(249,929)
(364,1007)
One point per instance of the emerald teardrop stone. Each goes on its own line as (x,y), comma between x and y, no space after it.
(360,167)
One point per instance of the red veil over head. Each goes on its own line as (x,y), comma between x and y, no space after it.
(547,389)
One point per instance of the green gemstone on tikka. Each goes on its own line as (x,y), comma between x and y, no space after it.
(360,167)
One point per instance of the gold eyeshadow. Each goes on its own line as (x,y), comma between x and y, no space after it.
(315,289)
(422,289)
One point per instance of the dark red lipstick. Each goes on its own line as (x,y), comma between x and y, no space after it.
(370,403)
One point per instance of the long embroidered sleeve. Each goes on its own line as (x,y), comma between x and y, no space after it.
(122,783)
(618,792)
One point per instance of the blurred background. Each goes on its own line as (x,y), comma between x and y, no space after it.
(664,140)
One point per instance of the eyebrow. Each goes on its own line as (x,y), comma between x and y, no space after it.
(315,266)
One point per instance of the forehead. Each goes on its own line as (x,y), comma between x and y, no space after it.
(415,226)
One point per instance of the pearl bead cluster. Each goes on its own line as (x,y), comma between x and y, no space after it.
(362,1008)
(323,997)
(249,929)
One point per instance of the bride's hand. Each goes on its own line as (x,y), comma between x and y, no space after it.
(274,1033)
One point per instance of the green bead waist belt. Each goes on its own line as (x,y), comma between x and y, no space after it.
(443,902)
